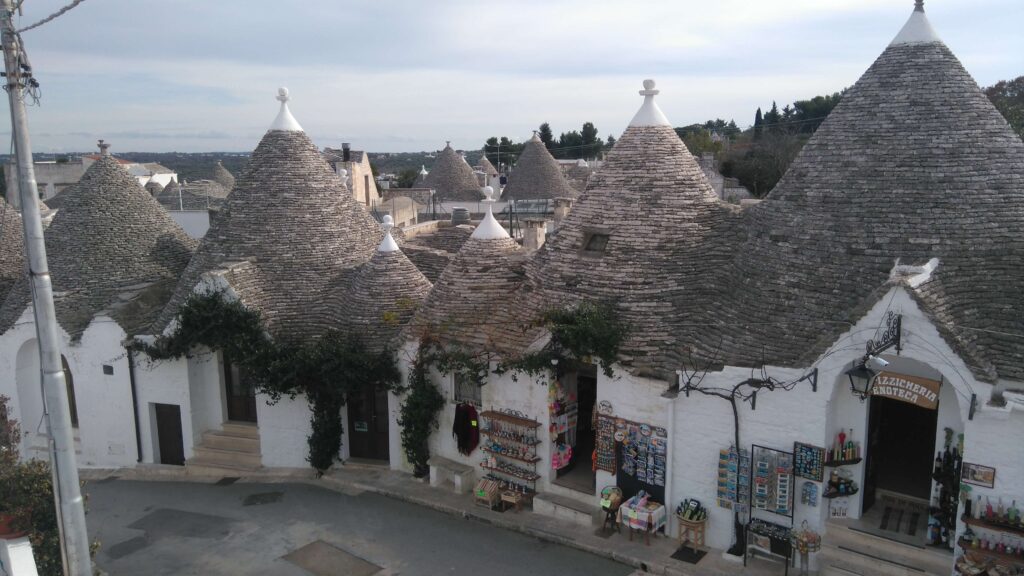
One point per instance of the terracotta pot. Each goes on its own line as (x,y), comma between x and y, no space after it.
(7,532)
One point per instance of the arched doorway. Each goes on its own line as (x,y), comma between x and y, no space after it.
(30,390)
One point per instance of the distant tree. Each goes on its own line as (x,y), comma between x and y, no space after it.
(1008,98)
(698,139)
(760,166)
(591,143)
(758,124)
(570,145)
(773,119)
(609,142)
(407,177)
(374,171)
(546,136)
(502,150)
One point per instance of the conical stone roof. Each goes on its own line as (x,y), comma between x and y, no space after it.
(536,175)
(193,195)
(12,248)
(293,220)
(485,166)
(222,176)
(111,248)
(471,304)
(645,236)
(383,296)
(915,163)
(452,178)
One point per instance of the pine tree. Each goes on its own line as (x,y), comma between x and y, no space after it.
(758,124)
(546,136)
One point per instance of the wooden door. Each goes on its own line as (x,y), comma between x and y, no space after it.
(368,424)
(168,432)
(240,393)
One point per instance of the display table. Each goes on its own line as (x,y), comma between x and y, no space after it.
(691,531)
(648,518)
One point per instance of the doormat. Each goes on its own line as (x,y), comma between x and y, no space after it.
(227,481)
(686,554)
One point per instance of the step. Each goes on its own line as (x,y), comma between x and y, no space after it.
(243,429)
(237,458)
(201,467)
(227,441)
(850,550)
(563,508)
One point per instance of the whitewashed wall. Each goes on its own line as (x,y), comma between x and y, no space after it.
(195,223)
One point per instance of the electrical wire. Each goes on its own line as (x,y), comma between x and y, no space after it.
(51,17)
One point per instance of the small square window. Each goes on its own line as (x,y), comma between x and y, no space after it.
(466,390)
(108,369)
(595,242)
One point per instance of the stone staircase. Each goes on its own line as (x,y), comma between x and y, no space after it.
(848,552)
(234,450)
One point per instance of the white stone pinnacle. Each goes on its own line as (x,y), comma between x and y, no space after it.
(285,121)
(388,244)
(917,30)
(489,228)
(649,113)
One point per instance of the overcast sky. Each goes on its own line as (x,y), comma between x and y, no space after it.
(387,75)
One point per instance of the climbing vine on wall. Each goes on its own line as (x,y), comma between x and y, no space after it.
(588,330)
(327,369)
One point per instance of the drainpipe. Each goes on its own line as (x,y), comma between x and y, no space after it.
(669,470)
(135,404)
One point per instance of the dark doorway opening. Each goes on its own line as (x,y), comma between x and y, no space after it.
(168,433)
(240,393)
(901,449)
(368,423)
(579,473)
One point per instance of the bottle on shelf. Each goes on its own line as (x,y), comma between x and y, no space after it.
(938,463)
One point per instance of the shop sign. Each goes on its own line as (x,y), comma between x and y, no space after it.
(923,392)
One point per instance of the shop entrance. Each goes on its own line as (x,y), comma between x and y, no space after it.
(368,423)
(578,474)
(901,448)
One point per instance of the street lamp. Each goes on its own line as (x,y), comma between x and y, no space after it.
(861,380)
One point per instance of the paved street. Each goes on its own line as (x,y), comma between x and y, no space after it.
(193,528)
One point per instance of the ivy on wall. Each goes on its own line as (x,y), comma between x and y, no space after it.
(584,332)
(327,369)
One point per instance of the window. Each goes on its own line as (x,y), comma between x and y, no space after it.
(466,390)
(594,243)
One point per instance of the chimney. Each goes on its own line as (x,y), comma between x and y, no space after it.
(562,207)
(346,152)
(534,233)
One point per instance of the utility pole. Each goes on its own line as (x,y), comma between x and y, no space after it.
(66,492)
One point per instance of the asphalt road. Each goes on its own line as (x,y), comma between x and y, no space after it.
(157,528)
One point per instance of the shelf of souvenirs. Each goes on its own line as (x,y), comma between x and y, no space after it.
(511,437)
(513,471)
(974,553)
(522,458)
(837,494)
(838,463)
(994,524)
(519,489)
(510,418)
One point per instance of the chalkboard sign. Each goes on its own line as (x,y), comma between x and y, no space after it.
(605,443)
(808,461)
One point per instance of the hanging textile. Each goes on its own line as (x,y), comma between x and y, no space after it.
(466,428)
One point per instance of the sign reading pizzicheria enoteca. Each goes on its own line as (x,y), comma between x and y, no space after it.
(923,392)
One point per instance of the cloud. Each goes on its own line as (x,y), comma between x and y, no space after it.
(390,76)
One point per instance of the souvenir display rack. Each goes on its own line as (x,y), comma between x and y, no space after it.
(510,447)
(771,481)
